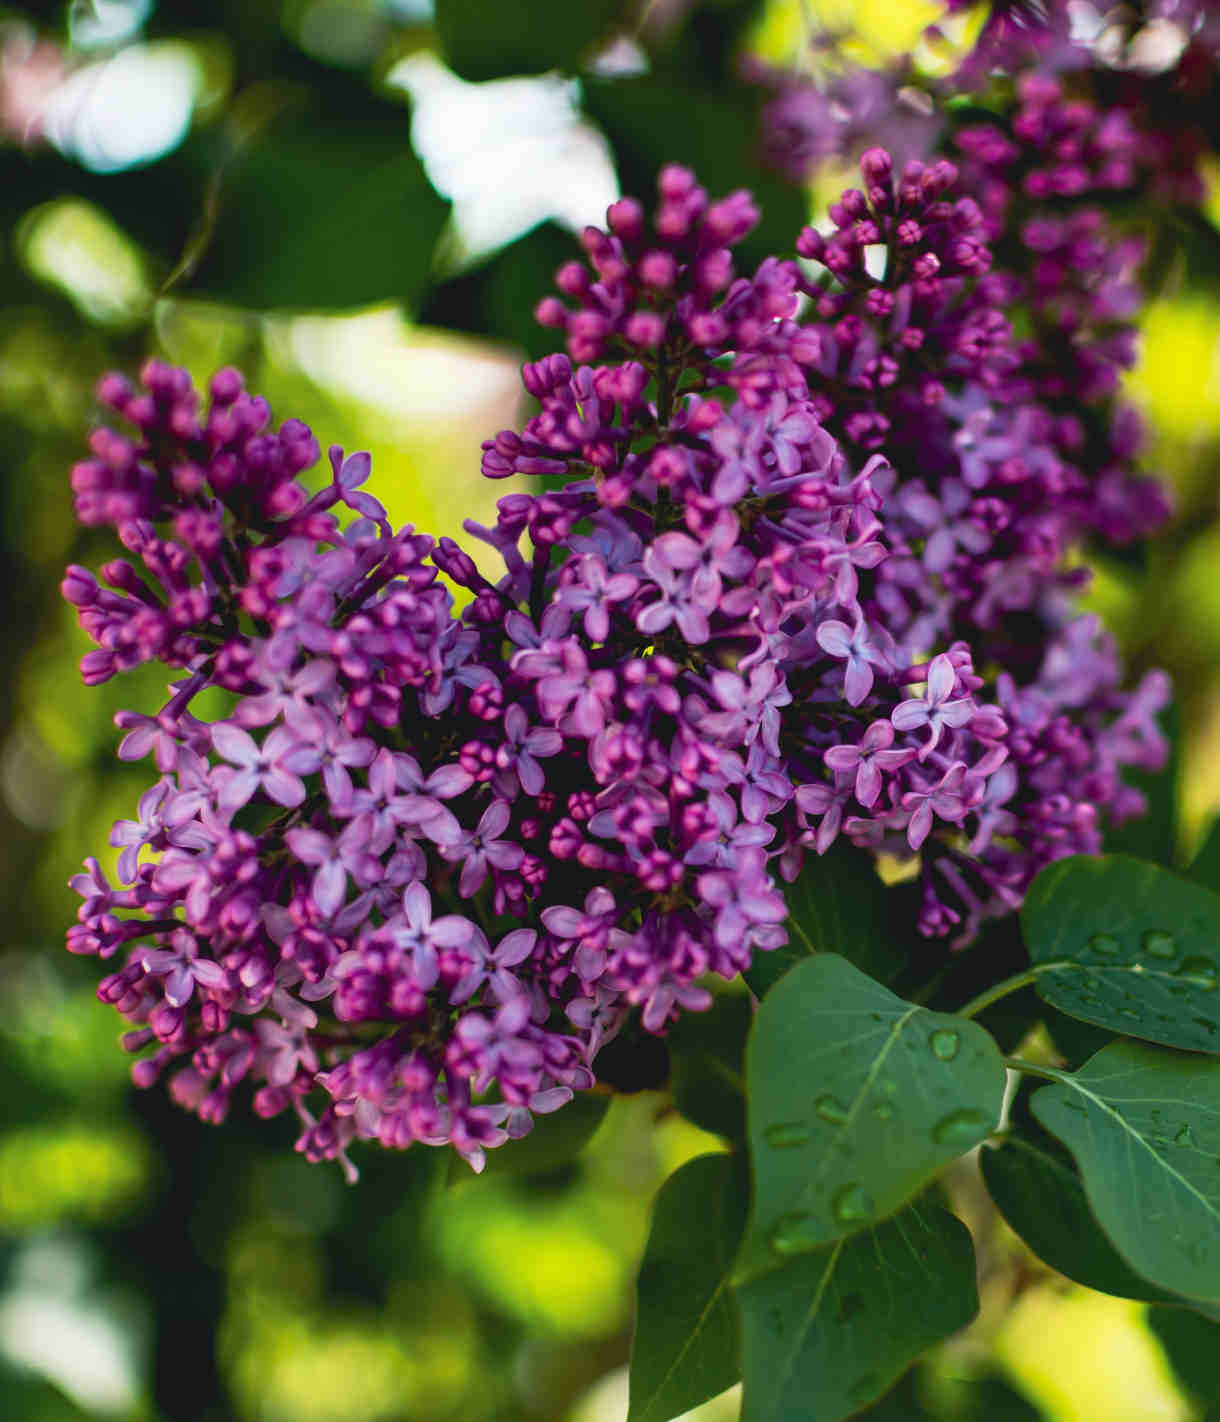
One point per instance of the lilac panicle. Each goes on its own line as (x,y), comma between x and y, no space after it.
(432,858)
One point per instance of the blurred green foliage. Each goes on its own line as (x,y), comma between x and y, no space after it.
(154,1268)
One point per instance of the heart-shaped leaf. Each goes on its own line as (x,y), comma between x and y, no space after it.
(1128,946)
(365,219)
(686,1334)
(856,1100)
(1144,1126)
(830,1331)
(1040,1193)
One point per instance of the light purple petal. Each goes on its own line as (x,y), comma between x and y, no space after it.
(835,638)
(330,887)
(234,744)
(940,679)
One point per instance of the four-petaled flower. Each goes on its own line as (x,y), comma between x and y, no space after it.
(870,758)
(935,710)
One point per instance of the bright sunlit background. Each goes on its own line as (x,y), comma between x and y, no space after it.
(179,179)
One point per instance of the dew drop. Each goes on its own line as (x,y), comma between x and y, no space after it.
(852,1202)
(831,1110)
(944,1044)
(1159,944)
(1185,1137)
(785,1134)
(883,1110)
(1202,971)
(1104,943)
(959,1128)
(1129,1013)
(794,1234)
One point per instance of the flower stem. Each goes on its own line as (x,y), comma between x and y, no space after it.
(1002,989)
(1036,1069)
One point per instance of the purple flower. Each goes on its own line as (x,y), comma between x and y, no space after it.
(935,709)
(870,758)
(573,687)
(482,848)
(181,968)
(517,756)
(491,967)
(856,647)
(588,587)
(257,767)
(942,798)
(333,860)
(416,932)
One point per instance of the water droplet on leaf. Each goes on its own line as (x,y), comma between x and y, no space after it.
(794,1234)
(1104,943)
(944,1044)
(1159,944)
(852,1202)
(959,1128)
(785,1134)
(1202,971)
(883,1110)
(1185,1137)
(831,1110)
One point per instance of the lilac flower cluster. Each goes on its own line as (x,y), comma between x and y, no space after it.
(427,861)
(1089,124)
(430,858)
(904,347)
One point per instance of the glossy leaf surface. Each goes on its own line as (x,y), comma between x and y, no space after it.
(1128,946)
(1144,1127)
(831,1331)
(686,1346)
(856,1100)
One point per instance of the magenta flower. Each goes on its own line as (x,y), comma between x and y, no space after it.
(857,648)
(482,849)
(870,759)
(257,767)
(935,709)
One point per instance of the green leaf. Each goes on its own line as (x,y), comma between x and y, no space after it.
(836,905)
(1205,866)
(1144,1126)
(1192,1344)
(686,1334)
(1128,946)
(553,1141)
(324,212)
(487,39)
(838,1326)
(856,1100)
(707,1055)
(1040,1194)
